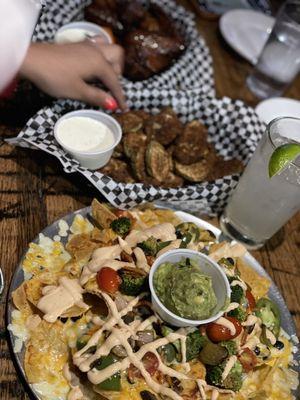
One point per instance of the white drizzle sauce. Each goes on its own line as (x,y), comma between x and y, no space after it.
(228,324)
(141,260)
(214,394)
(119,336)
(75,393)
(270,336)
(228,367)
(228,250)
(172,246)
(251,320)
(239,283)
(58,299)
(164,232)
(201,385)
(100,257)
(232,306)
(124,246)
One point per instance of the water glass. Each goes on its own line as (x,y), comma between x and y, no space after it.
(261,205)
(279,61)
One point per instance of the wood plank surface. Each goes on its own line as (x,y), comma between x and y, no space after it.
(34,192)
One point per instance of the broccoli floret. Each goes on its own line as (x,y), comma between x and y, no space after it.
(230,346)
(232,382)
(132,285)
(121,226)
(239,313)
(149,246)
(152,246)
(194,344)
(237,294)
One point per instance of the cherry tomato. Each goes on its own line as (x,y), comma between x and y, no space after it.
(151,365)
(217,332)
(248,359)
(150,362)
(251,300)
(108,280)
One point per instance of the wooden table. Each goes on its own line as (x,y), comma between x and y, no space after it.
(34,192)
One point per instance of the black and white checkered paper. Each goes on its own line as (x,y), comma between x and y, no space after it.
(233,128)
(192,70)
(187,86)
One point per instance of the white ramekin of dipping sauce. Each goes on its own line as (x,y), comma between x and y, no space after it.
(79,31)
(208,267)
(81,133)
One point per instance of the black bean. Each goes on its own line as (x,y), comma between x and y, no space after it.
(145,395)
(230,260)
(279,345)
(257,351)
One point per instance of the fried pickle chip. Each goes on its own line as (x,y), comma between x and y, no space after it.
(138,165)
(173,181)
(192,144)
(158,161)
(46,353)
(117,170)
(142,114)
(222,168)
(118,151)
(259,284)
(130,121)
(101,214)
(196,172)
(133,142)
(163,127)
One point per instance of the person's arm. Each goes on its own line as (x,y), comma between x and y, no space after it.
(67,71)
(17,22)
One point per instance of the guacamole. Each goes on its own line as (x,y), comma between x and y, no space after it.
(184,290)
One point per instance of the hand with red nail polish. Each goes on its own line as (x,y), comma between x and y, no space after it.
(67,71)
(110,104)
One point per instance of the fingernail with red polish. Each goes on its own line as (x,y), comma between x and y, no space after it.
(110,104)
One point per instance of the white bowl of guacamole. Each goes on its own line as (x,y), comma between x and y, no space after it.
(188,288)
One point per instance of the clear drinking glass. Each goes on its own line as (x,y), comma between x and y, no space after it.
(279,61)
(260,205)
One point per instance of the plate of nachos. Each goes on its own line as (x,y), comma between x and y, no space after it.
(83,325)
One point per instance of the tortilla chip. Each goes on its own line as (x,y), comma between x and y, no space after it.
(105,236)
(46,353)
(81,225)
(101,214)
(20,300)
(81,246)
(259,284)
(33,289)
(92,286)
(73,267)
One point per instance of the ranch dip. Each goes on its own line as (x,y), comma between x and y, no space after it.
(73,35)
(84,134)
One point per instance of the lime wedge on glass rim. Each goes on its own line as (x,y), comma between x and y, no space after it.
(282,156)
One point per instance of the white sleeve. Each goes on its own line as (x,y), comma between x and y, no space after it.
(17,22)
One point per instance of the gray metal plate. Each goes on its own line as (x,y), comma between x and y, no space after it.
(52,230)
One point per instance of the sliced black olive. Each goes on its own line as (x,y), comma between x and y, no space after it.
(128,318)
(279,345)
(157,328)
(257,351)
(230,260)
(145,395)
